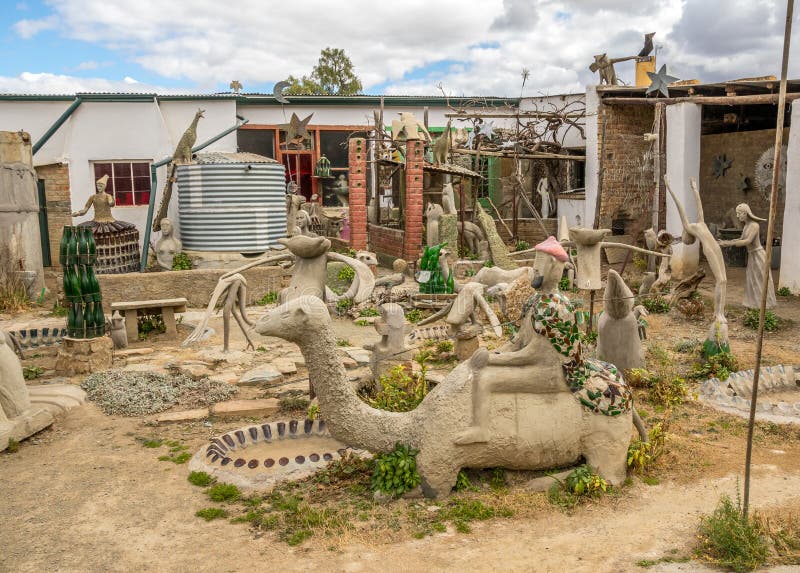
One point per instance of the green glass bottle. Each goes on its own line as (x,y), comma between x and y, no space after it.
(94,285)
(83,246)
(62,246)
(99,319)
(92,246)
(71,318)
(451,285)
(88,320)
(86,286)
(72,247)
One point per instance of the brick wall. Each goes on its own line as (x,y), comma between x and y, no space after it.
(412,247)
(529,230)
(386,242)
(59,203)
(358,193)
(626,179)
(720,194)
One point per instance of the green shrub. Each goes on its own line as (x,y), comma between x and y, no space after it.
(488,264)
(770,319)
(687,345)
(313,412)
(212,513)
(444,346)
(584,481)
(181,262)
(642,455)
(151,324)
(718,365)
(462,481)
(640,378)
(522,246)
(59,310)
(402,391)
(396,472)
(343,305)
(224,492)
(667,393)
(369,311)
(640,262)
(729,539)
(269,298)
(784,291)
(200,479)
(563,284)
(13,294)
(13,446)
(362,322)
(414,315)
(656,304)
(346,273)
(292,403)
(692,309)
(32,372)
(343,342)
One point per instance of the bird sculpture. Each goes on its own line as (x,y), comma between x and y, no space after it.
(648,45)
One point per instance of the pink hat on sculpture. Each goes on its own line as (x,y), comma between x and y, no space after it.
(552,247)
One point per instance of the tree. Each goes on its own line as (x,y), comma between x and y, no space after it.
(333,74)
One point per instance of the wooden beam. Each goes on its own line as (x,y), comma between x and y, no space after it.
(512,155)
(523,114)
(702,100)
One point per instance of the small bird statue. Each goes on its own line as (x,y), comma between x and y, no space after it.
(648,45)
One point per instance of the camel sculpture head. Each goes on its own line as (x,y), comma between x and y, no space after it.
(294,320)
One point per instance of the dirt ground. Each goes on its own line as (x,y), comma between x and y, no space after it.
(84,495)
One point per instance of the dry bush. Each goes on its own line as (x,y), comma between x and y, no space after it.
(13,295)
(691,308)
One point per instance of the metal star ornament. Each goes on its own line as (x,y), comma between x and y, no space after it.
(720,165)
(659,81)
(486,129)
(297,129)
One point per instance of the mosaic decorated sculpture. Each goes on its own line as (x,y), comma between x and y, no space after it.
(530,418)
(310,256)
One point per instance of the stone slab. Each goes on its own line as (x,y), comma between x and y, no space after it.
(263,375)
(242,408)
(285,366)
(125,352)
(360,355)
(183,416)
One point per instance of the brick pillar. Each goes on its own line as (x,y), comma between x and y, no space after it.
(415,156)
(357,182)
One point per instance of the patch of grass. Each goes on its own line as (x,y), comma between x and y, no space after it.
(522,246)
(343,342)
(656,304)
(58,310)
(369,311)
(176,458)
(771,320)
(261,349)
(414,315)
(668,391)
(488,264)
(181,262)
(13,294)
(444,346)
(348,468)
(212,513)
(150,442)
(224,492)
(293,403)
(32,372)
(784,291)
(498,482)
(343,305)
(270,297)
(462,482)
(200,479)
(362,322)
(666,559)
(13,446)
(729,539)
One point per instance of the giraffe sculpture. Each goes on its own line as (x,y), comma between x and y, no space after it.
(181,156)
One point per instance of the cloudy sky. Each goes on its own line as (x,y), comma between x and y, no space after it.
(409,47)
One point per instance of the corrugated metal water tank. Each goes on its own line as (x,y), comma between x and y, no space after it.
(233,202)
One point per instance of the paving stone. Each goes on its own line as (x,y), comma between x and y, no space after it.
(125,352)
(349,363)
(261,375)
(226,377)
(183,416)
(246,408)
(285,366)
(360,355)
(196,371)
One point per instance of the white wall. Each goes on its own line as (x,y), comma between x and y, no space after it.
(790,261)
(36,117)
(683,164)
(574,210)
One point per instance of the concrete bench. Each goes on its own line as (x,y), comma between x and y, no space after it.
(166,308)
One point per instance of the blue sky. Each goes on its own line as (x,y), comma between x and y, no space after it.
(200,46)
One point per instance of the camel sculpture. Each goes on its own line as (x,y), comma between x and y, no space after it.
(523,427)
(310,255)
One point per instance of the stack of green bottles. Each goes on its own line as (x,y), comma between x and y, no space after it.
(77,255)
(436,283)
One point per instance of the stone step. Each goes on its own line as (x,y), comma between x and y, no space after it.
(183,416)
(246,408)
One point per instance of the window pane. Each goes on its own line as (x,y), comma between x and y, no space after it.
(258,141)
(122,170)
(122,183)
(141,183)
(141,170)
(101,169)
(142,198)
(333,144)
(124,199)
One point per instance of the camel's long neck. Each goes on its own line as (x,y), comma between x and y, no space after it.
(349,419)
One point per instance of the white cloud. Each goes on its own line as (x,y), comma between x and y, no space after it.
(46,83)
(489,41)
(29,28)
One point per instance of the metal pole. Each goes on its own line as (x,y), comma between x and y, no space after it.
(58,123)
(773,206)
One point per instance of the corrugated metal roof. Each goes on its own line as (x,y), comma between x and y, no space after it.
(218,158)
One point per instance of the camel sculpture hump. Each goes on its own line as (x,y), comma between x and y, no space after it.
(526,430)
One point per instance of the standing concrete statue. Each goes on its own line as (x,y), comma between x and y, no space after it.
(543,189)
(118,333)
(448,199)
(699,231)
(432,214)
(756,258)
(293,202)
(342,190)
(167,245)
(618,329)
(409,128)
(391,349)
(661,242)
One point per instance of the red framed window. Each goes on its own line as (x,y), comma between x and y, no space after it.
(128,181)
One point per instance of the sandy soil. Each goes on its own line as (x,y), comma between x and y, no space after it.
(86,496)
